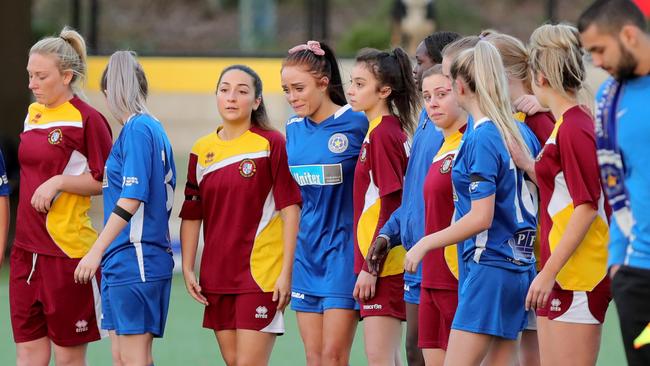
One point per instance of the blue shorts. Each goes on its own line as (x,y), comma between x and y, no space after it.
(136,308)
(411,292)
(316,304)
(492,301)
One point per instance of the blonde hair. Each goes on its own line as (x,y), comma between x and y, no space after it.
(556,52)
(69,48)
(125,85)
(482,71)
(514,56)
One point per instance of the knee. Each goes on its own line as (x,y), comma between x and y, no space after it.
(313,358)
(27,357)
(414,354)
(334,355)
(229,359)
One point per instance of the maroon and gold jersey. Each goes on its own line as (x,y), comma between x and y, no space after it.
(568,176)
(440,266)
(378,181)
(541,124)
(71,139)
(237,187)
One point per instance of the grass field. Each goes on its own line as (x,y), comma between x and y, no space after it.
(186,343)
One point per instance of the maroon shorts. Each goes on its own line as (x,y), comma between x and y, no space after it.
(388,300)
(45,300)
(254,311)
(582,307)
(435,315)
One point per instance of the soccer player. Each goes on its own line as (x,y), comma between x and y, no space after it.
(571,292)
(134,247)
(239,186)
(382,86)
(406,224)
(63,148)
(615,33)
(323,143)
(4,209)
(439,292)
(494,208)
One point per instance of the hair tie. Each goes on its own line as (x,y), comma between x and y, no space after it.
(312,46)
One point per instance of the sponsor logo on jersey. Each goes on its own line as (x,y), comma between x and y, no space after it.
(82,326)
(55,136)
(446,164)
(522,244)
(129,181)
(372,307)
(297,295)
(338,143)
(317,175)
(261,312)
(555,305)
(247,168)
(36,118)
(362,156)
(209,157)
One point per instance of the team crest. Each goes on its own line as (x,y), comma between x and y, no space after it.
(55,136)
(338,143)
(247,168)
(362,156)
(446,164)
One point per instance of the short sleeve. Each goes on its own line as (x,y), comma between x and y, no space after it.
(137,155)
(4,181)
(285,189)
(577,145)
(98,141)
(484,166)
(387,152)
(192,205)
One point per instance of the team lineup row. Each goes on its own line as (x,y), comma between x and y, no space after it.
(479,218)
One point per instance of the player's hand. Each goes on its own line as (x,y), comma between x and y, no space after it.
(364,289)
(193,287)
(376,255)
(522,160)
(540,290)
(413,257)
(282,290)
(87,267)
(44,195)
(528,104)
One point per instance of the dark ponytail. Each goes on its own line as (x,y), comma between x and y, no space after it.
(259,117)
(319,66)
(393,69)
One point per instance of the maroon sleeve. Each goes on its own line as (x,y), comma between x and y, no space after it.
(192,208)
(577,145)
(98,141)
(389,203)
(285,188)
(387,158)
(542,125)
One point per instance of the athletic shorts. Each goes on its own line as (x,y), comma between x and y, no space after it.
(532,321)
(45,301)
(253,311)
(411,292)
(317,304)
(492,301)
(388,300)
(136,308)
(581,307)
(435,315)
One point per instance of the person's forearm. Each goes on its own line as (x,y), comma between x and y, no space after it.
(115,224)
(190,230)
(290,218)
(4,223)
(84,184)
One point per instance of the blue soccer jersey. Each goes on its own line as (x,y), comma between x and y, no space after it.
(4,181)
(483,167)
(322,157)
(140,166)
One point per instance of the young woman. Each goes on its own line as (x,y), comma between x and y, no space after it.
(323,143)
(62,153)
(429,53)
(494,207)
(382,87)
(439,293)
(515,60)
(238,177)
(134,247)
(571,293)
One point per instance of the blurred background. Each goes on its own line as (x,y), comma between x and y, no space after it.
(184,45)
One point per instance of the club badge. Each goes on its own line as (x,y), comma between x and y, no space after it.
(338,143)
(55,136)
(247,168)
(446,164)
